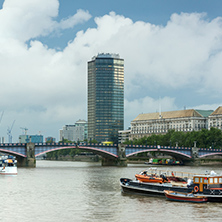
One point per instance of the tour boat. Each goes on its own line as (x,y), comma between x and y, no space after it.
(184,197)
(8,165)
(208,185)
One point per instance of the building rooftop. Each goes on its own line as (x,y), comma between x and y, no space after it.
(218,111)
(204,113)
(169,115)
(106,55)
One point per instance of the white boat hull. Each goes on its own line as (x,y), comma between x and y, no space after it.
(9,171)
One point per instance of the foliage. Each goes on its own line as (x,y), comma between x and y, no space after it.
(204,139)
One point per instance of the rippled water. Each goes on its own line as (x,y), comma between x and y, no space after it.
(76,191)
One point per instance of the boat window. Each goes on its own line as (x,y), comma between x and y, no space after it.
(201,180)
(215,180)
(205,180)
(220,180)
(196,180)
(211,180)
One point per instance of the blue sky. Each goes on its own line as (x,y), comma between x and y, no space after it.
(156,12)
(172,52)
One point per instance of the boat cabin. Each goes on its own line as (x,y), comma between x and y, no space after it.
(212,182)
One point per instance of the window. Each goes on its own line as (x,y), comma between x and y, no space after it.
(196,180)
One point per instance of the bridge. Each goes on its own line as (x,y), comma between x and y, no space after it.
(112,154)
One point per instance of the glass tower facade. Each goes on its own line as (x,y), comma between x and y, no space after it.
(105,97)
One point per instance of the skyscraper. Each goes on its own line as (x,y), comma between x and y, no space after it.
(105,97)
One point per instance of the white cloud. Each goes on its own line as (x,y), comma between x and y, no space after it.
(44,89)
(25,19)
(80,17)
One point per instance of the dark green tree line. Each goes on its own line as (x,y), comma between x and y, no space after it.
(204,139)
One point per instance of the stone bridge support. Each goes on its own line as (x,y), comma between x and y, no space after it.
(195,161)
(30,160)
(121,161)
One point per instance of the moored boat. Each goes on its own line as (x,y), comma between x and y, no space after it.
(153,189)
(151,176)
(8,165)
(164,162)
(208,185)
(184,197)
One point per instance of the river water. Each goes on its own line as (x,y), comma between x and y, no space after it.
(80,191)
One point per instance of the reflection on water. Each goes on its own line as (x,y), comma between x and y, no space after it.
(76,191)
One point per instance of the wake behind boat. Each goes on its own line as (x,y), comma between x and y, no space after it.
(8,165)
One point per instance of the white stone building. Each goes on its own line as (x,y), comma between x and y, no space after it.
(215,119)
(159,123)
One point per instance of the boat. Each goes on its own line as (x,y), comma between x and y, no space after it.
(151,189)
(8,165)
(164,162)
(208,185)
(144,176)
(150,176)
(184,197)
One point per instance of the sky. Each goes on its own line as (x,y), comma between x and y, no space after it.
(172,53)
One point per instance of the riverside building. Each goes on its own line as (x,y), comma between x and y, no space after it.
(76,132)
(215,119)
(159,123)
(105,97)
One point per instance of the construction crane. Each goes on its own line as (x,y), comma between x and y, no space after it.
(10,132)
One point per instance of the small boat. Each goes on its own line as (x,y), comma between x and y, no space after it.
(185,197)
(144,176)
(8,165)
(164,162)
(150,176)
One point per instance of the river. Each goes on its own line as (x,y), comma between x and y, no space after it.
(80,191)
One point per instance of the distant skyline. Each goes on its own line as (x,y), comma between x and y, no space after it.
(172,52)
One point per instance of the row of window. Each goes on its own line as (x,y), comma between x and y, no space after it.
(158,131)
(205,180)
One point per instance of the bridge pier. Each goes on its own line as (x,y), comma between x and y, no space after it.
(29,160)
(121,161)
(195,157)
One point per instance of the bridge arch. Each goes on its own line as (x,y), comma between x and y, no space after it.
(11,152)
(211,154)
(103,153)
(172,153)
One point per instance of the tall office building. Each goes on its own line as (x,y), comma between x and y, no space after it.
(105,97)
